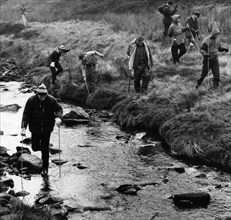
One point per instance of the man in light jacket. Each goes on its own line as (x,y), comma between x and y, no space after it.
(140,63)
(176,31)
(210,48)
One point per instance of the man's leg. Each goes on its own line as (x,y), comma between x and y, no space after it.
(145,79)
(205,70)
(45,140)
(174,50)
(216,73)
(137,78)
(36,141)
(53,72)
(59,68)
(182,49)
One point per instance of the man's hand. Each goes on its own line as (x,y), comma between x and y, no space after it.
(23,132)
(58,122)
(226,50)
(52,64)
(85,78)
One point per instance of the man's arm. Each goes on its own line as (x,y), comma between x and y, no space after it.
(170,31)
(26,117)
(58,109)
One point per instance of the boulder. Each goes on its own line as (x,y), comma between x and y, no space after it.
(75,93)
(196,199)
(3,151)
(7,181)
(77,113)
(32,162)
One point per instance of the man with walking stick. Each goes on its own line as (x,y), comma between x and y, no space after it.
(210,47)
(193,32)
(140,63)
(41,113)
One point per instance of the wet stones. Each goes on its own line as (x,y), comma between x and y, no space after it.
(8,182)
(26,141)
(150,149)
(54,150)
(32,162)
(80,166)
(59,161)
(128,189)
(9,108)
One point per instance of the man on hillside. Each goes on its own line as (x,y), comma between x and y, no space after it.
(140,63)
(193,32)
(176,31)
(41,112)
(210,47)
(89,66)
(168,12)
(23,13)
(53,61)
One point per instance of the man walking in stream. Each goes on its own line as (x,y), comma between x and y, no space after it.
(41,113)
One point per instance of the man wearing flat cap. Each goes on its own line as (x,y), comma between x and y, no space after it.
(53,61)
(193,32)
(140,63)
(41,113)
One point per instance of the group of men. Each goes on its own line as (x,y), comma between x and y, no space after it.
(42,110)
(183,38)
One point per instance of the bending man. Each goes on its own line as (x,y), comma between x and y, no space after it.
(89,66)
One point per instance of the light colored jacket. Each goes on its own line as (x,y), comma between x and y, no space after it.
(132,51)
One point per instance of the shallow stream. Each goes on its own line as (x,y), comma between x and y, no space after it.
(111,162)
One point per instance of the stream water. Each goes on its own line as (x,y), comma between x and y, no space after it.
(111,162)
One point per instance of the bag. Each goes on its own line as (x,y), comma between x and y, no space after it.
(161,9)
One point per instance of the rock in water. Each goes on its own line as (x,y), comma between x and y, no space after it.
(32,162)
(59,161)
(187,200)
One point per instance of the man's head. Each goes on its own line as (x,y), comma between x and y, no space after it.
(81,56)
(169,2)
(140,40)
(215,32)
(176,19)
(196,14)
(42,92)
(62,49)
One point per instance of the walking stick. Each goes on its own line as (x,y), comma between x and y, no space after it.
(129,81)
(87,86)
(59,153)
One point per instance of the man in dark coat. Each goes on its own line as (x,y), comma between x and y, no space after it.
(210,47)
(168,12)
(53,61)
(140,63)
(193,32)
(41,112)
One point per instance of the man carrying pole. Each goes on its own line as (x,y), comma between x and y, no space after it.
(193,32)
(167,12)
(209,49)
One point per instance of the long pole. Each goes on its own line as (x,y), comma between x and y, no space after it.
(87,87)
(22,165)
(129,81)
(59,153)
